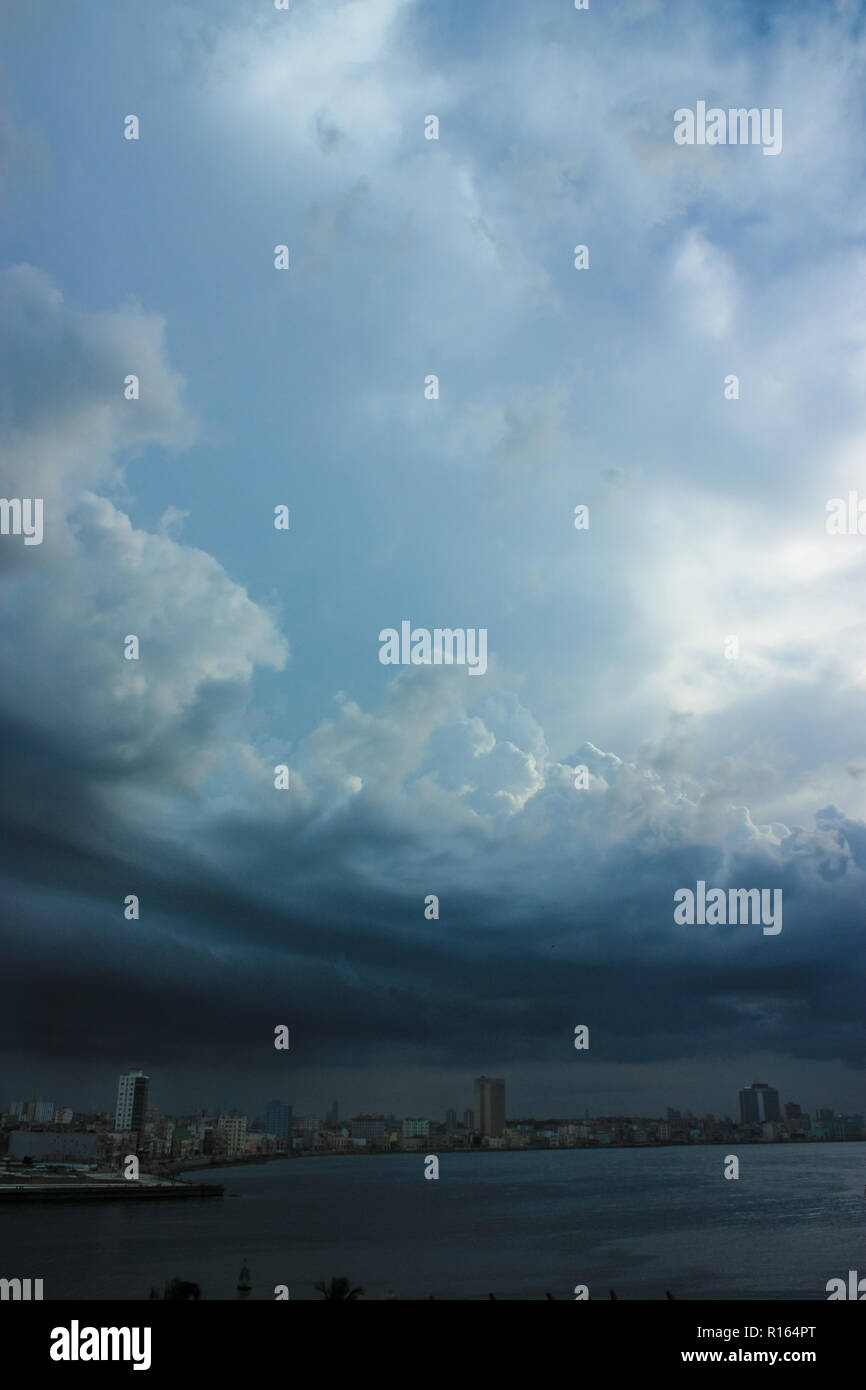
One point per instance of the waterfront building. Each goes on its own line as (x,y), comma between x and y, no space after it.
(307,1124)
(796,1119)
(278,1120)
(132,1091)
(233,1129)
(759,1103)
(490,1106)
(63,1146)
(838,1127)
(772,1131)
(371,1127)
(415,1128)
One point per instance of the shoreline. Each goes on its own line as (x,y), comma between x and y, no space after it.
(242,1161)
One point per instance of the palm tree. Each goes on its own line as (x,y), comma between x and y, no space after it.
(179,1290)
(338,1288)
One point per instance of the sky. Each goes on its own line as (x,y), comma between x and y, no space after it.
(559,387)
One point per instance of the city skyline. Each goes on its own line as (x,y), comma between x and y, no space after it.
(285,1111)
(31,1132)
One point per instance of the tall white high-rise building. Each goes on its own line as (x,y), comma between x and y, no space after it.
(131,1100)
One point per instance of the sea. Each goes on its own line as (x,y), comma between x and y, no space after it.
(518,1225)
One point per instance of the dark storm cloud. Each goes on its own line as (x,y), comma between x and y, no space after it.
(292,931)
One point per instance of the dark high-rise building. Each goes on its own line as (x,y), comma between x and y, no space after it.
(468,1119)
(759,1103)
(797,1120)
(278,1120)
(490,1105)
(332,1116)
(450,1121)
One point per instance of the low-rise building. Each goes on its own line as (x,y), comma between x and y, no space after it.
(414,1128)
(54,1146)
(370,1127)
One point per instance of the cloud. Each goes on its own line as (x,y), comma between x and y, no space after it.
(171,522)
(71,602)
(705,277)
(63,415)
(313,905)
(559,387)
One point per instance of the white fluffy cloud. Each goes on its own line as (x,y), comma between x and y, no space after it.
(69,603)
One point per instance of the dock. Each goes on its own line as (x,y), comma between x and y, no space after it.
(105,1189)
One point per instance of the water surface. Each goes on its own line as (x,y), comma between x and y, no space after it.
(637,1220)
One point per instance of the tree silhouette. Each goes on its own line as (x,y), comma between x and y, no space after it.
(338,1288)
(179,1290)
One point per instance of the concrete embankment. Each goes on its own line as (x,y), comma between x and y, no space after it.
(106,1191)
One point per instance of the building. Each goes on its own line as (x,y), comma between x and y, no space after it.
(837,1127)
(490,1106)
(370,1127)
(450,1121)
(469,1120)
(34,1111)
(749,1113)
(759,1103)
(307,1132)
(415,1128)
(233,1128)
(332,1117)
(132,1091)
(278,1121)
(307,1124)
(258,1142)
(519,1139)
(184,1142)
(50,1147)
(796,1119)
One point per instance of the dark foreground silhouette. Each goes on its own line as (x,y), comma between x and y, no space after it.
(338,1289)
